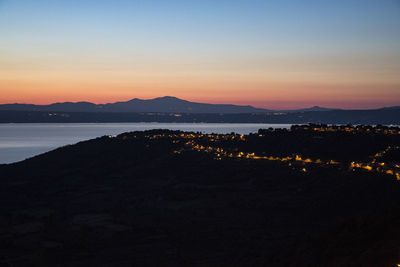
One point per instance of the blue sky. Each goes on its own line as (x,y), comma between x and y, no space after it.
(266,47)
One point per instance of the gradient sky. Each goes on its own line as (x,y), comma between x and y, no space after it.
(272,54)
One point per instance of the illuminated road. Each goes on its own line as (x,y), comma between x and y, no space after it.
(190,141)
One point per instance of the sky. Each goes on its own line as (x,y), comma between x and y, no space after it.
(276,54)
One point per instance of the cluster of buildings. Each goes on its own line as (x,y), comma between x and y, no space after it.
(224,146)
(377,165)
(379,129)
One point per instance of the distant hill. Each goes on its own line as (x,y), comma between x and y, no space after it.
(172,105)
(391,108)
(314,108)
(166,104)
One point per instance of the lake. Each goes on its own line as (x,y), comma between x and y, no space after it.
(24,140)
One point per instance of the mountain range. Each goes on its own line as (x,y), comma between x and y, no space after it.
(166,104)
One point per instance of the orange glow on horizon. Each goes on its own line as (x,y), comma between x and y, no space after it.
(247,53)
(269,96)
(270,89)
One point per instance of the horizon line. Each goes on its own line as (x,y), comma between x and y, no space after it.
(194,101)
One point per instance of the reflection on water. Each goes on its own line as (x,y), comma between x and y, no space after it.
(24,140)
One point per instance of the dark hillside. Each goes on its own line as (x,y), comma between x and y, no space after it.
(157,198)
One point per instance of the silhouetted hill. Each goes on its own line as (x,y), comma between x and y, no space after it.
(391,108)
(161,104)
(166,104)
(314,108)
(172,109)
(169,198)
(66,106)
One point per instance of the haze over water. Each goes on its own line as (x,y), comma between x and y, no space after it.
(24,140)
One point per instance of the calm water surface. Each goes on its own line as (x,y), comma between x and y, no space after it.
(24,140)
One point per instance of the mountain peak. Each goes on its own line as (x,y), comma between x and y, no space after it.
(167,98)
(134,100)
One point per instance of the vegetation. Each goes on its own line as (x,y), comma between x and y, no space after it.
(169,198)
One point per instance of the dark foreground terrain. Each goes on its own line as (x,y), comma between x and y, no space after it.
(309,196)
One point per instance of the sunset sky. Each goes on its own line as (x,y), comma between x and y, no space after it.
(274,54)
